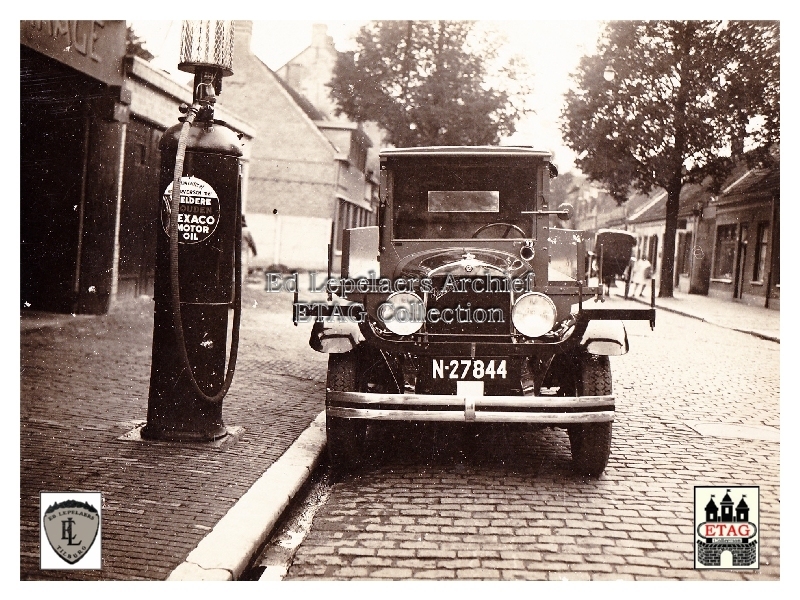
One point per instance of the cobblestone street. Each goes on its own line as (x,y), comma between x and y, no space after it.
(697,405)
(84,384)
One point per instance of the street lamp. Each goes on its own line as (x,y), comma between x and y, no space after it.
(609,73)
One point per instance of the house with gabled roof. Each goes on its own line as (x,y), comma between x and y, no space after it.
(307,174)
(311,70)
(727,243)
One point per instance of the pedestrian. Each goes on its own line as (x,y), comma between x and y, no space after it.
(248,249)
(628,274)
(641,276)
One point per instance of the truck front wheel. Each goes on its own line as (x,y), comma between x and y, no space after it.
(591,442)
(345,437)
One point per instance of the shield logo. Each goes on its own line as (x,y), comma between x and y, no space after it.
(71,528)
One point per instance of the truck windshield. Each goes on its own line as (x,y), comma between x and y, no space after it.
(454,201)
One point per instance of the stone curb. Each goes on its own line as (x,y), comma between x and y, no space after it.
(228,548)
(758,334)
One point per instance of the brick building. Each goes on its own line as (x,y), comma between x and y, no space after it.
(310,70)
(306,171)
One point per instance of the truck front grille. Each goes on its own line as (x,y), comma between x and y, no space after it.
(460,313)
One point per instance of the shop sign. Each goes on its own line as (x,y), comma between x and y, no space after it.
(96,48)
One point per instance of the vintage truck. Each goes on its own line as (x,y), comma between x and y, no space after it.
(468,303)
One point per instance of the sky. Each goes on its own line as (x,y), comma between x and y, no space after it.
(552,49)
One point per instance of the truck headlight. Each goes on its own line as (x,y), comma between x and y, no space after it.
(403,313)
(534,314)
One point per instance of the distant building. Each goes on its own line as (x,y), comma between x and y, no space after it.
(308,176)
(309,71)
(727,244)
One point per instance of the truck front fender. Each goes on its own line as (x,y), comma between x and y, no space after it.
(607,338)
(335,337)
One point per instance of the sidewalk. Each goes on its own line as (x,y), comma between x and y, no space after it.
(83,394)
(84,384)
(754,320)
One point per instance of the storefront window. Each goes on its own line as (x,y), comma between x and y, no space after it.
(725,252)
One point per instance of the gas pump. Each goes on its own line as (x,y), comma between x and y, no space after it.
(198,253)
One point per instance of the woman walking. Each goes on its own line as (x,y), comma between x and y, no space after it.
(641,276)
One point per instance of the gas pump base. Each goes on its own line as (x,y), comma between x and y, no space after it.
(233,434)
(151,433)
(175,411)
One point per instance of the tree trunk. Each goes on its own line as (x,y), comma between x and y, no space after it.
(683,45)
(666,284)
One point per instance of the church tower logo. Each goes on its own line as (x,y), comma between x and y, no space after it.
(726,527)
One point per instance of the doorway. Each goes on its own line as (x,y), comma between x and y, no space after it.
(139,212)
(741,260)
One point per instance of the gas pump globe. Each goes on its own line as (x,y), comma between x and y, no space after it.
(198,257)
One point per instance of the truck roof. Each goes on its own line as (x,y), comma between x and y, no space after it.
(514,151)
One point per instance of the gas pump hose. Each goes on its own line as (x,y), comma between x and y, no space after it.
(173,266)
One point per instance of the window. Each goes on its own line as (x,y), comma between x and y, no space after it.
(342,224)
(760,263)
(141,154)
(350,216)
(453,199)
(725,252)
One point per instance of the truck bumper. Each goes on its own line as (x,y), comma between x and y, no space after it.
(543,410)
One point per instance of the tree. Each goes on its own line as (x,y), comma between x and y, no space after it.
(135,45)
(686,99)
(430,83)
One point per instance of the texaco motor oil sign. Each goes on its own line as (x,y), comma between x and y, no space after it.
(199,210)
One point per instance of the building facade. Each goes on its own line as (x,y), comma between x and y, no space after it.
(727,244)
(91,119)
(745,256)
(310,70)
(308,175)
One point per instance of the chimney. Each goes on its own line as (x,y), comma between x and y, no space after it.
(319,35)
(242,34)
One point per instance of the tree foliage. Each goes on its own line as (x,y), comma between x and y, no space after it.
(135,45)
(430,83)
(687,98)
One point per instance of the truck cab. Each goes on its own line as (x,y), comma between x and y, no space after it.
(473,306)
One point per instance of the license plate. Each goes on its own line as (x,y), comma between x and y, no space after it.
(471,369)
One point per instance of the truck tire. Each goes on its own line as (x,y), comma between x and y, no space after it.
(345,437)
(590,443)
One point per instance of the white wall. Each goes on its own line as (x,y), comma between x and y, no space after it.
(296,242)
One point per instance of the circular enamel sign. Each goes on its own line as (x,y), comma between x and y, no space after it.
(198,214)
